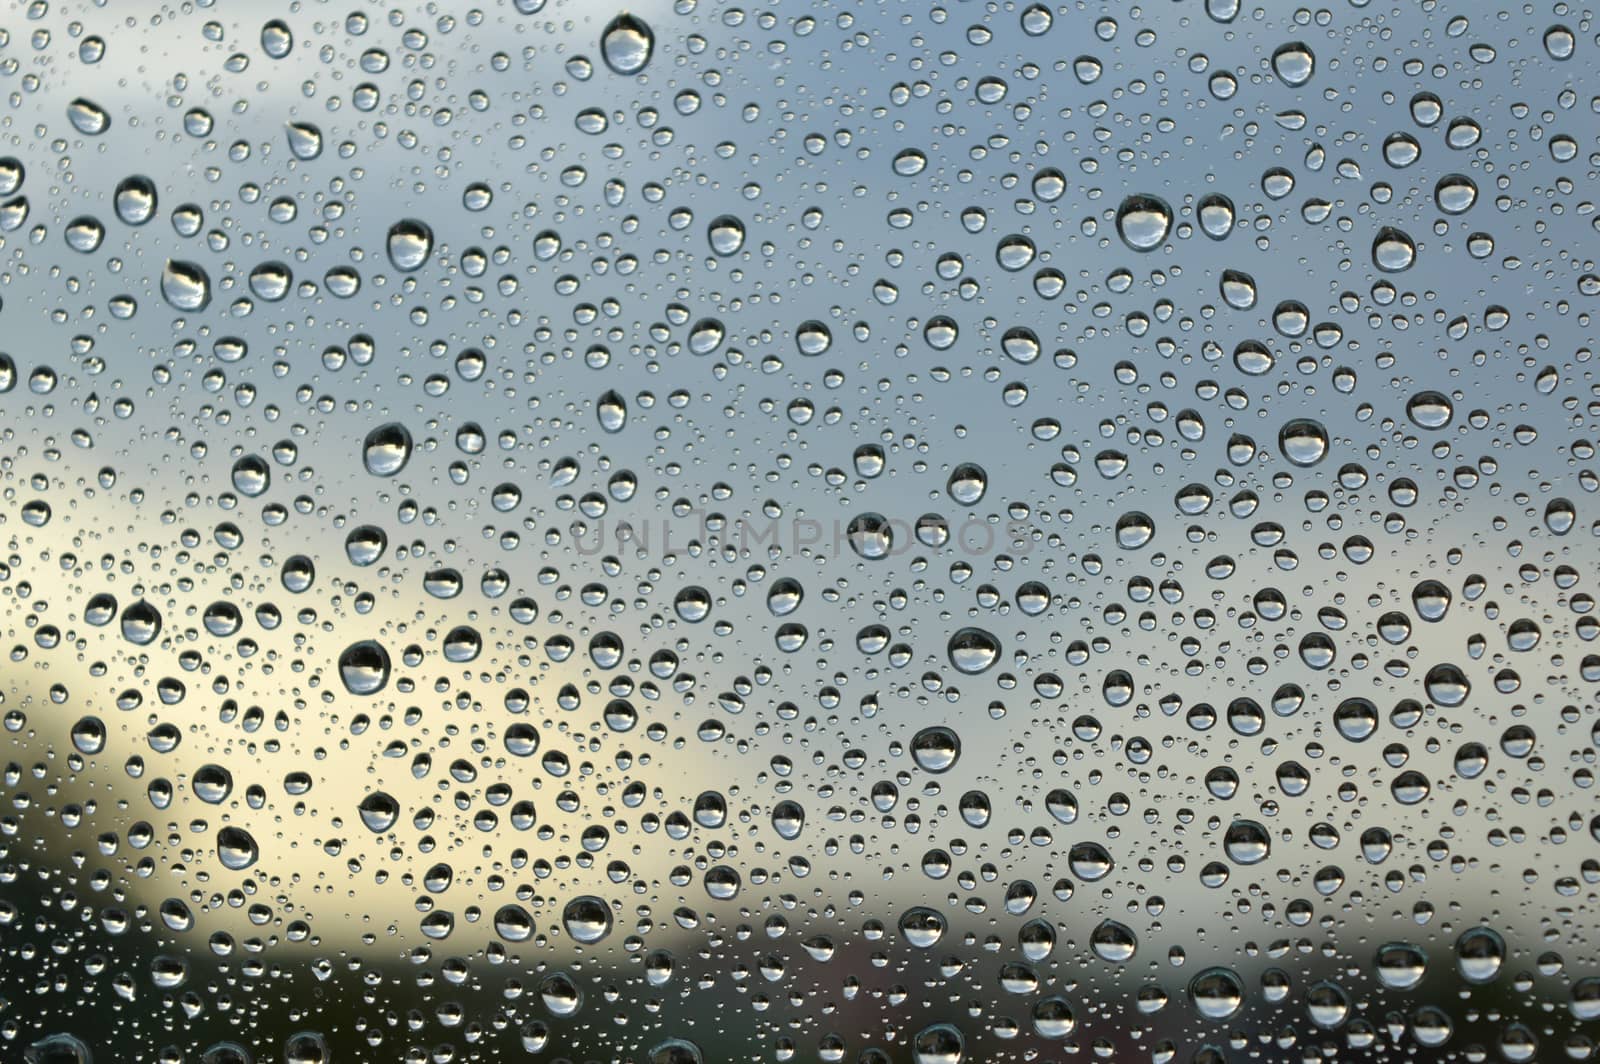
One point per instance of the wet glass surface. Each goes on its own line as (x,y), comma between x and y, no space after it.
(822,532)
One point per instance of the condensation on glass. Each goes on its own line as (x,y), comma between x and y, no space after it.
(838,532)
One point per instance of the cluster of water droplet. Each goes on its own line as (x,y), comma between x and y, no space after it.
(930,532)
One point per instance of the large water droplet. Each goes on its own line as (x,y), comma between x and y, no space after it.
(1294,64)
(276,38)
(88,117)
(236,849)
(921,927)
(379,811)
(89,735)
(587,919)
(386,449)
(1246,842)
(676,1051)
(1400,965)
(305,140)
(57,1049)
(941,1043)
(1113,941)
(1393,251)
(612,411)
(135,199)
(936,749)
(1303,442)
(365,544)
(1430,410)
(410,243)
(141,623)
(364,667)
(306,1047)
(1216,214)
(185,286)
(870,536)
(967,484)
(627,43)
(1217,993)
(973,650)
(1143,221)
(726,234)
(1455,194)
(1447,685)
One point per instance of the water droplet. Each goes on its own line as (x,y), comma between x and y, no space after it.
(364,667)
(365,544)
(185,286)
(1393,251)
(1560,516)
(967,484)
(1014,252)
(1560,42)
(973,650)
(226,1053)
(212,784)
(88,117)
(1246,842)
(1053,1017)
(306,1047)
(1303,442)
(1143,221)
(89,735)
(251,476)
(409,245)
(921,927)
(909,162)
(587,919)
(1356,719)
(1447,685)
(1430,410)
(870,536)
(379,811)
(1114,942)
(1455,194)
(1294,64)
(305,140)
(57,1049)
(726,234)
(941,1043)
(612,410)
(236,849)
(141,623)
(1135,529)
(386,449)
(1217,993)
(676,1051)
(1216,214)
(936,749)
(813,338)
(12,173)
(276,39)
(1400,965)
(627,44)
